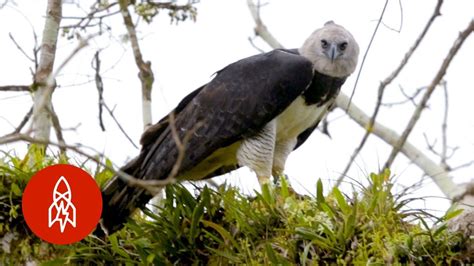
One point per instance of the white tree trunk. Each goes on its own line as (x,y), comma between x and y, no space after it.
(44,82)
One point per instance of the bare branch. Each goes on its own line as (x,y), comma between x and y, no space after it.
(444,128)
(23,122)
(384,84)
(83,42)
(111,113)
(254,45)
(94,18)
(464,165)
(260,28)
(401,19)
(15,88)
(19,47)
(58,131)
(437,79)
(100,86)
(145,71)
(435,171)
(409,98)
(180,144)
(145,184)
(5,2)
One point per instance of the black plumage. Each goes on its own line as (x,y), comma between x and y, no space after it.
(240,100)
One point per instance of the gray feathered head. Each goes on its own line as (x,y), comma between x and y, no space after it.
(332,49)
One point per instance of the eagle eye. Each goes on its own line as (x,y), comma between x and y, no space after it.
(324,44)
(343,46)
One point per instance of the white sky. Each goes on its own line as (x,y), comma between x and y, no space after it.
(185,56)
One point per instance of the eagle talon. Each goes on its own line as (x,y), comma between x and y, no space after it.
(263,180)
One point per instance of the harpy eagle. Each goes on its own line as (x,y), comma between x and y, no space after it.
(253,113)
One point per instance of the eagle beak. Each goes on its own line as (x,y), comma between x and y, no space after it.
(333,53)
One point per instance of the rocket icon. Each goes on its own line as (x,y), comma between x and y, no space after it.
(62,210)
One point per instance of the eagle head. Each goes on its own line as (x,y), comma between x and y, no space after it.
(332,50)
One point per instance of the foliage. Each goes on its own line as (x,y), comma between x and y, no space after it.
(225,227)
(178,13)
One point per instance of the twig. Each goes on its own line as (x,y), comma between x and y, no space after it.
(444,129)
(437,79)
(23,122)
(439,175)
(180,144)
(255,46)
(85,21)
(431,146)
(83,42)
(111,113)
(260,28)
(455,168)
(15,88)
(19,47)
(100,87)
(409,98)
(384,84)
(372,38)
(5,2)
(58,131)
(401,19)
(145,184)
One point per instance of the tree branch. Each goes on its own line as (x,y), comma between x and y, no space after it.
(15,88)
(260,28)
(435,171)
(145,72)
(437,79)
(148,185)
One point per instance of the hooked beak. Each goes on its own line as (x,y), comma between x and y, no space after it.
(333,53)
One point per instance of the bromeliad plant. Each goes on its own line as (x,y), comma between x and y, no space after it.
(223,226)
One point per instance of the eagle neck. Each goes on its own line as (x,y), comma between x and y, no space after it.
(322,89)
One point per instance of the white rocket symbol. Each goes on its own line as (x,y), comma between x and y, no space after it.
(62,208)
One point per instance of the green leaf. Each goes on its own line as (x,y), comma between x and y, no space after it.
(319,192)
(16,190)
(150,258)
(349,226)
(305,253)
(451,214)
(271,254)
(328,210)
(221,230)
(267,194)
(341,201)
(116,248)
(440,230)
(284,187)
(197,215)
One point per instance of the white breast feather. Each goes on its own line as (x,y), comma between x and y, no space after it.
(298,117)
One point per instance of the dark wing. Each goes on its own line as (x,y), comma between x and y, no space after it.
(237,103)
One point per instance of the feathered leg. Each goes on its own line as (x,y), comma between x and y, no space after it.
(257,152)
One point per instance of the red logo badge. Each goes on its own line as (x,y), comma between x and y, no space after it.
(62,204)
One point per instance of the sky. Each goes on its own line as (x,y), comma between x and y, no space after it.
(185,56)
